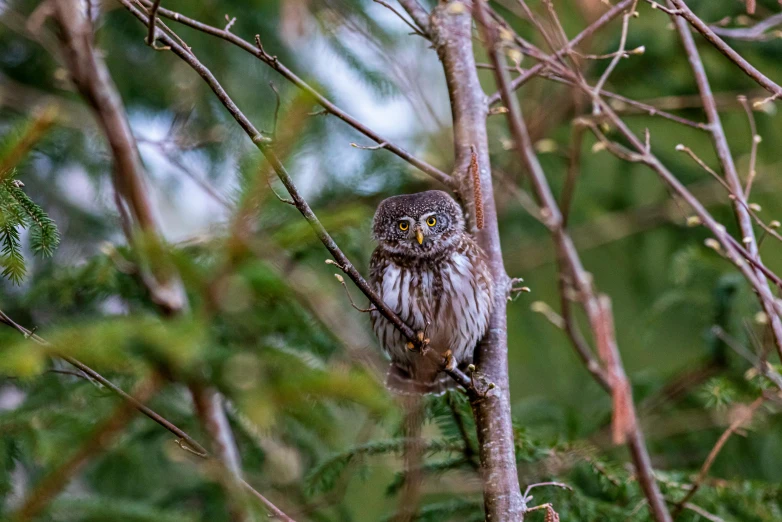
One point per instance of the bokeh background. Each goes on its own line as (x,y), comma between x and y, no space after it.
(299,365)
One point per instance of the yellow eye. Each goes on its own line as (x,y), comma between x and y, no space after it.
(404,225)
(431,221)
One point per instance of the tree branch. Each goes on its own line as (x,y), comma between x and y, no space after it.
(92,78)
(264,145)
(55,481)
(740,206)
(597,307)
(685,12)
(451,28)
(595,26)
(274,63)
(417,13)
(743,418)
(184,441)
(754,33)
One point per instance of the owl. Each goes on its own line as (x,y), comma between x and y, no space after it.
(429,271)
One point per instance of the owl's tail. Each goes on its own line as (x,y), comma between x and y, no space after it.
(400,381)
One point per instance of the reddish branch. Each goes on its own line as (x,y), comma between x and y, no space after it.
(477,194)
(597,307)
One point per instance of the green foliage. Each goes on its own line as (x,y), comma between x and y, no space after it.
(718,392)
(324,477)
(18,212)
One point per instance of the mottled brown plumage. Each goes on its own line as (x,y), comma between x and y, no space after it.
(431,272)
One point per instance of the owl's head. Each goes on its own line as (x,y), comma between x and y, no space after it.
(419,225)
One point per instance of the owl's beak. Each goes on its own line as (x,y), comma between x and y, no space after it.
(419,236)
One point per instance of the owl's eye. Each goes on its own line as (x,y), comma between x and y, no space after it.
(431,221)
(404,225)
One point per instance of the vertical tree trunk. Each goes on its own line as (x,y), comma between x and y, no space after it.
(451,32)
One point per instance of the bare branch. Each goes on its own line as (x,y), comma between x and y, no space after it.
(275,64)
(756,139)
(276,109)
(597,308)
(755,33)
(583,35)
(152,20)
(366,147)
(418,14)
(184,441)
(740,207)
(415,29)
(719,43)
(264,145)
(619,54)
(763,367)
(347,292)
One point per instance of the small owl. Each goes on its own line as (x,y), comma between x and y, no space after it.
(431,272)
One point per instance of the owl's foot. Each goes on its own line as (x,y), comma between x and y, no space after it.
(422,343)
(449,361)
(516,290)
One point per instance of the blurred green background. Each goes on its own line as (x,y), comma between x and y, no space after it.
(298,364)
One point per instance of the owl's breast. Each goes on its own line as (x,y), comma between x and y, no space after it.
(448,297)
(408,292)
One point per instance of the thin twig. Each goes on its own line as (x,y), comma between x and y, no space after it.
(276,109)
(415,29)
(152,21)
(595,26)
(756,139)
(545,484)
(263,144)
(619,54)
(755,33)
(763,367)
(184,441)
(702,512)
(274,63)
(352,303)
(685,12)
(367,147)
(743,418)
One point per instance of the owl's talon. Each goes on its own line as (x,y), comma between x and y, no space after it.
(410,346)
(450,362)
(420,336)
